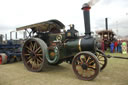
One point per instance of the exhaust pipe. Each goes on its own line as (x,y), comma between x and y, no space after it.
(86,14)
(16,35)
(106,23)
(5,37)
(10,35)
(1,38)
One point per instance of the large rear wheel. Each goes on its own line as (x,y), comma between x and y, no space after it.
(85,65)
(34,54)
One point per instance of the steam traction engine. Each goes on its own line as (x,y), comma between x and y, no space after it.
(10,51)
(49,45)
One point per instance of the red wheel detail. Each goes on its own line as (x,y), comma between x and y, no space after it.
(3,58)
(6,57)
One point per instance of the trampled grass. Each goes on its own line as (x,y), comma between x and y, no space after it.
(116,73)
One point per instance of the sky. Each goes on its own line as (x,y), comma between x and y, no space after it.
(17,13)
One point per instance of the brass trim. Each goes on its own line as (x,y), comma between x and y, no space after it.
(59,37)
(79,45)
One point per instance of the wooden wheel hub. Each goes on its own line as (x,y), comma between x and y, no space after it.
(84,66)
(33,55)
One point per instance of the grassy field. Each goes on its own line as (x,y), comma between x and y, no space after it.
(116,73)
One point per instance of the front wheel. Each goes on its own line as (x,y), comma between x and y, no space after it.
(85,65)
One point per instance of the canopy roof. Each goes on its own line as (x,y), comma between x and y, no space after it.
(105,32)
(44,26)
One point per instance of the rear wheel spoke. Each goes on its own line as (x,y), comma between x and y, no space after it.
(37,49)
(28,48)
(38,54)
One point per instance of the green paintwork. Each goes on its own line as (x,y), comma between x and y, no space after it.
(67,49)
(55,39)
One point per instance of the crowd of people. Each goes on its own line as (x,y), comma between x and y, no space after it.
(116,46)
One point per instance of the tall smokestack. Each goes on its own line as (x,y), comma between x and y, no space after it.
(106,23)
(5,37)
(86,13)
(16,35)
(1,38)
(10,35)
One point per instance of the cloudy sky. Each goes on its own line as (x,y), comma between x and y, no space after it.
(17,13)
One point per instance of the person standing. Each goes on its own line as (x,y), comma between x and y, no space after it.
(124,47)
(102,45)
(119,47)
(115,45)
(111,47)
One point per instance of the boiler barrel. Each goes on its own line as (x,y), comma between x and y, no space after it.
(82,44)
(88,44)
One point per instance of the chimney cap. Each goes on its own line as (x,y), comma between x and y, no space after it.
(86,6)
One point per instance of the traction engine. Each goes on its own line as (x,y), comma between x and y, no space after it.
(49,43)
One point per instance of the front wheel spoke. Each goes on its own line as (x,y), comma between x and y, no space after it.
(81,60)
(78,67)
(91,62)
(86,73)
(91,71)
(88,59)
(80,71)
(92,66)
(78,62)
(83,73)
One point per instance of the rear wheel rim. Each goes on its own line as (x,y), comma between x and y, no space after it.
(33,55)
